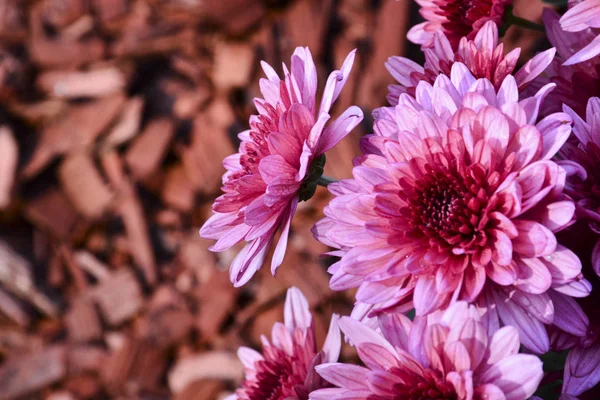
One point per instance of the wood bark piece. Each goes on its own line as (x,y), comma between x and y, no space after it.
(51,211)
(234,62)
(77,130)
(203,389)
(148,150)
(16,276)
(92,265)
(13,310)
(208,365)
(72,84)
(178,191)
(216,298)
(84,358)
(133,363)
(194,255)
(132,214)
(168,319)
(26,374)
(82,320)
(210,145)
(390,31)
(119,297)
(8,164)
(84,186)
(235,16)
(128,124)
(313,13)
(65,53)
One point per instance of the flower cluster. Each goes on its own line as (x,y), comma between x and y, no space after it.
(475,208)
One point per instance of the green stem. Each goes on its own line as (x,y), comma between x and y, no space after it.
(325,181)
(525,23)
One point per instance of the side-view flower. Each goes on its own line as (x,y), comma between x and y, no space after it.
(278,162)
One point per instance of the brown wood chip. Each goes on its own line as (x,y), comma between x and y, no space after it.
(84,186)
(25,374)
(119,297)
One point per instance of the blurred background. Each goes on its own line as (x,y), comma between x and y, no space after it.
(114,118)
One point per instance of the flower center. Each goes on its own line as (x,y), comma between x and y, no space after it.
(276,378)
(448,209)
(430,386)
(462,14)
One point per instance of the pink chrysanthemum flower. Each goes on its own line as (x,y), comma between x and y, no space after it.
(286,369)
(483,55)
(583,17)
(575,83)
(456,18)
(447,356)
(583,184)
(279,161)
(457,198)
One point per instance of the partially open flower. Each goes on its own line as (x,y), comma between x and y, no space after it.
(457,198)
(456,18)
(447,356)
(286,368)
(279,160)
(483,56)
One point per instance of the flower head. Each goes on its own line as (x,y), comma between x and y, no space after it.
(457,198)
(456,18)
(583,17)
(448,356)
(278,162)
(285,369)
(575,83)
(482,55)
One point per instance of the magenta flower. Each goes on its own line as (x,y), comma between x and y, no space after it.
(483,56)
(279,161)
(583,185)
(457,198)
(456,18)
(583,17)
(576,83)
(286,369)
(448,355)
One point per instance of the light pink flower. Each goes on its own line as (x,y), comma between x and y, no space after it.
(583,16)
(483,55)
(583,185)
(576,83)
(457,198)
(456,18)
(279,160)
(286,367)
(447,355)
